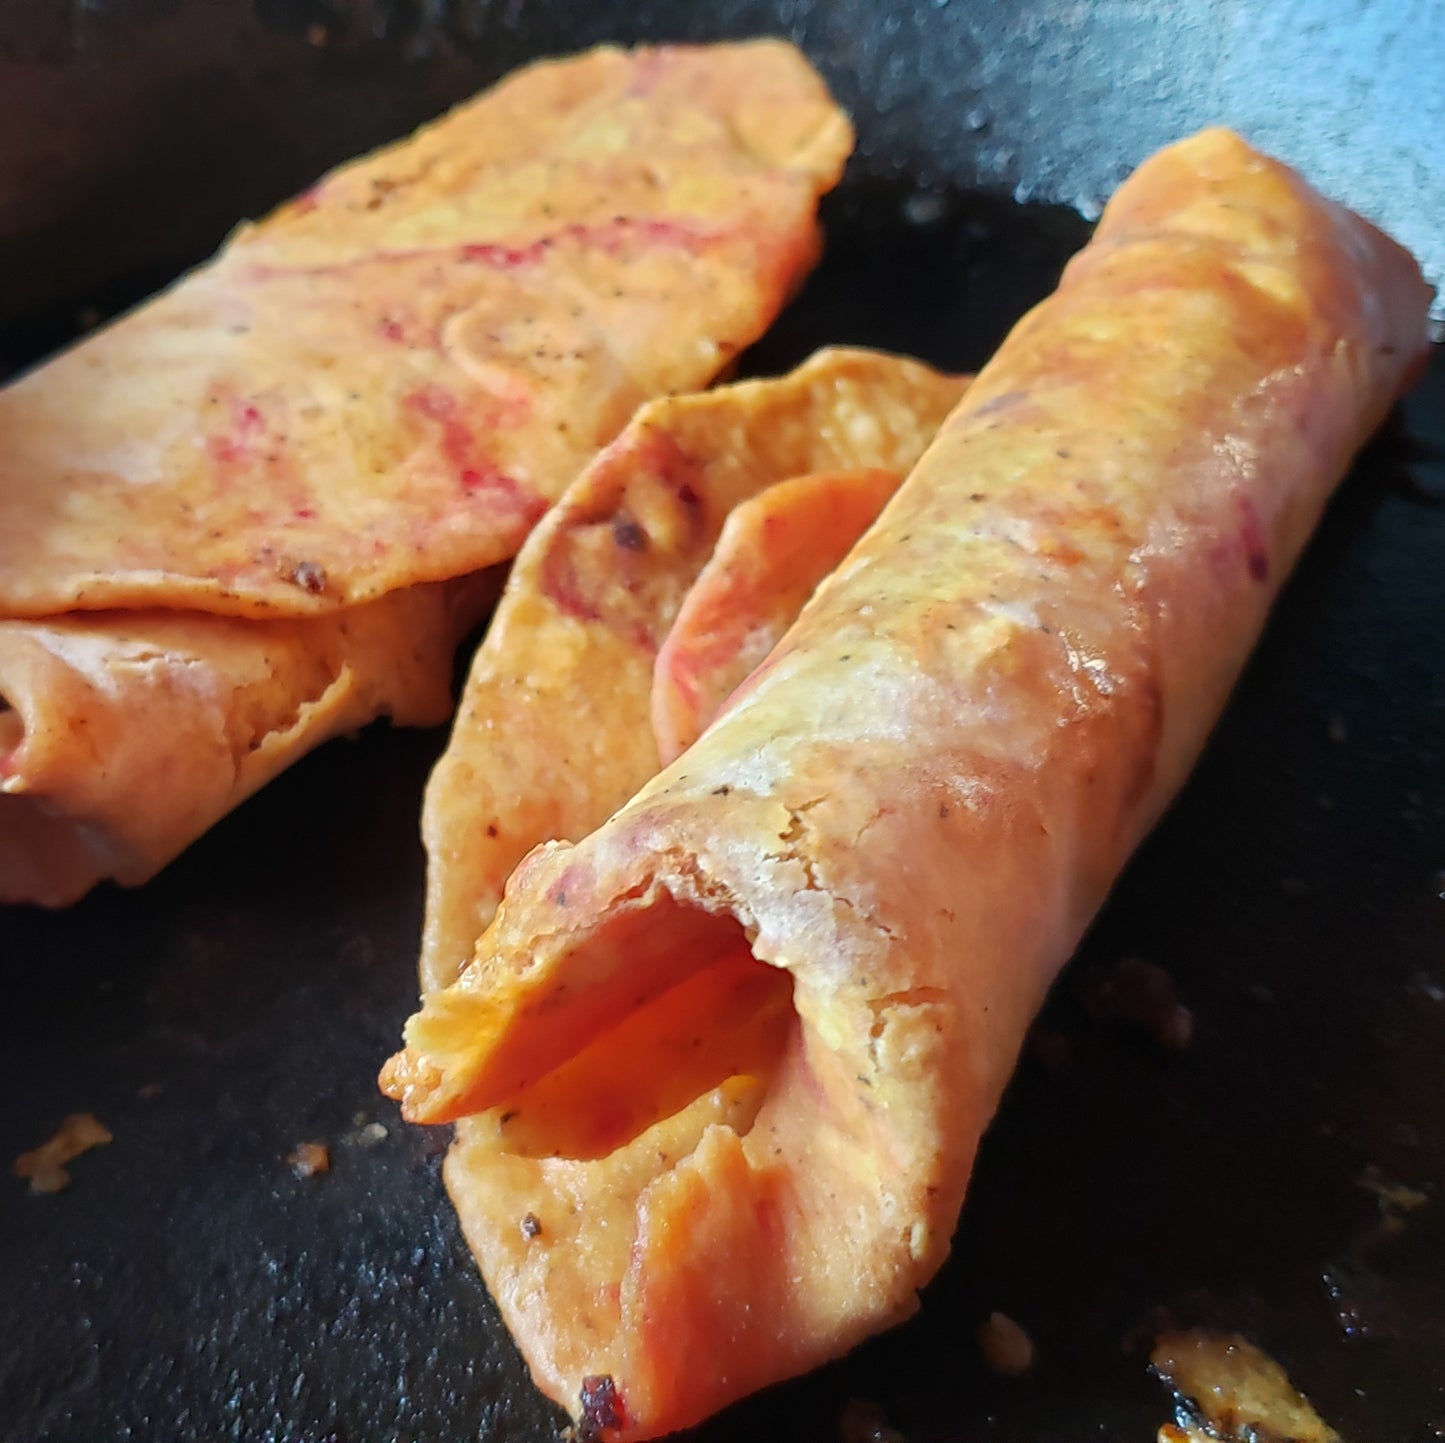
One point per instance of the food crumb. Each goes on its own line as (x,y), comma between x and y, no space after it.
(863,1421)
(1006,1347)
(531,1226)
(309,1159)
(45,1166)
(1394,1197)
(1228,1391)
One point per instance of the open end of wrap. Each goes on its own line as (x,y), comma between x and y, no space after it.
(663,1004)
(655,1142)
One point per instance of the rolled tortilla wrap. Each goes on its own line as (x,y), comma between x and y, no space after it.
(902,825)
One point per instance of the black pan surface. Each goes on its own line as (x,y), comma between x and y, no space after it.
(188,1286)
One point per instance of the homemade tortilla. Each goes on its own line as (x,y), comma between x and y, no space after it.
(389,380)
(363,401)
(747,1034)
(554,729)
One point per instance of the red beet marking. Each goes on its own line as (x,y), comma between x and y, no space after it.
(660,453)
(648,68)
(475,470)
(305,513)
(1251,534)
(392,330)
(612,237)
(560,583)
(307,201)
(238,446)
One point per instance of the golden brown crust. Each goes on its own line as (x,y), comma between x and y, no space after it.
(387,381)
(916,804)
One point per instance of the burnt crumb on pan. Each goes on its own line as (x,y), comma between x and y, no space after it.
(1227,1391)
(310,577)
(531,1226)
(628,534)
(45,1168)
(1143,995)
(601,1408)
(1006,1347)
(863,1421)
(309,1159)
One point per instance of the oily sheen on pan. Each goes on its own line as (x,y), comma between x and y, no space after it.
(378,389)
(730,1057)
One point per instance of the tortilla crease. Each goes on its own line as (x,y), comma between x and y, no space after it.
(774,550)
(896,837)
(388,381)
(554,729)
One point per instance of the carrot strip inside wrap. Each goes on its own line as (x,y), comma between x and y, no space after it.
(774,549)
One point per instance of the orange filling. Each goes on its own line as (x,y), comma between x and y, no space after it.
(723,1026)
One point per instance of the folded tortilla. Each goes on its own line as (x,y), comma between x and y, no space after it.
(378,389)
(128,734)
(721,1068)
(554,729)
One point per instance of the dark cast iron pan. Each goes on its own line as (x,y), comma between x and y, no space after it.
(188,1286)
